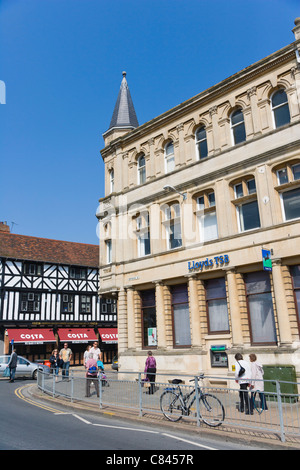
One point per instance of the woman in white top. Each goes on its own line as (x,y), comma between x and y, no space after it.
(244,380)
(257,383)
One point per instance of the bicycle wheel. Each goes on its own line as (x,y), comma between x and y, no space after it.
(170,406)
(212,411)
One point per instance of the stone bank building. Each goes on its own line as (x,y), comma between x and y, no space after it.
(200,223)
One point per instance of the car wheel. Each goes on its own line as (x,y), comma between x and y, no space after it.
(34,375)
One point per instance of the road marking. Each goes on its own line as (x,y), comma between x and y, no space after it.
(19,394)
(81,419)
(189,442)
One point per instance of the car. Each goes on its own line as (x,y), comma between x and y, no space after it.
(114,364)
(24,367)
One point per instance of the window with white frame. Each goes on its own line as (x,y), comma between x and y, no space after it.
(246,205)
(280,108)
(238,127)
(85,304)
(143,234)
(30,302)
(207,216)
(288,179)
(172,225)
(67,303)
(141,163)
(201,143)
(169,158)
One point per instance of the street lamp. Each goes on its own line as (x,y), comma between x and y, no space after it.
(168,186)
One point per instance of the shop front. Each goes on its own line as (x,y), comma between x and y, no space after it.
(77,339)
(108,343)
(32,344)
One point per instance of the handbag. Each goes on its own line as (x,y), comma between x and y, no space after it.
(241,371)
(6,372)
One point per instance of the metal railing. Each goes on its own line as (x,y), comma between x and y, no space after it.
(126,390)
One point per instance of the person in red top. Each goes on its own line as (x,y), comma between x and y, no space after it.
(150,371)
(91,375)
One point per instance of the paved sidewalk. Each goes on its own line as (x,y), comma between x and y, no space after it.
(226,431)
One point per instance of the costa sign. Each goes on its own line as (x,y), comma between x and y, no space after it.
(32,337)
(109,335)
(77,336)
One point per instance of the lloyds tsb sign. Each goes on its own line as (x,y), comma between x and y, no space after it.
(216,261)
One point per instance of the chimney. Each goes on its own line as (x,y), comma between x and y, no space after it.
(4,227)
(296,30)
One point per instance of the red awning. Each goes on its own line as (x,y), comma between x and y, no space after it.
(109,335)
(31,336)
(77,335)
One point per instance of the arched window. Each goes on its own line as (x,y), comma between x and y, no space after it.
(169,158)
(280,108)
(201,143)
(141,170)
(238,127)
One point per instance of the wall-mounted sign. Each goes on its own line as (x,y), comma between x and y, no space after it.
(216,261)
(267,262)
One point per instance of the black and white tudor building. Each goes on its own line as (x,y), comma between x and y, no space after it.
(49,295)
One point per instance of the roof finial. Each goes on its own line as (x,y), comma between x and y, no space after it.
(124,74)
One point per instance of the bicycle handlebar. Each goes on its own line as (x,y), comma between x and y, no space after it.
(201,376)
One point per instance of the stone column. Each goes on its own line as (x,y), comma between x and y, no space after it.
(236,326)
(281,304)
(122,321)
(160,315)
(130,318)
(194,311)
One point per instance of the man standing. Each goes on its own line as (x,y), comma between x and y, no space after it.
(96,352)
(65,354)
(12,365)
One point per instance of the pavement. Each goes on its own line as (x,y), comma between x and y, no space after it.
(253,437)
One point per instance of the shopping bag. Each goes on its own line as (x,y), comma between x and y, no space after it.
(6,372)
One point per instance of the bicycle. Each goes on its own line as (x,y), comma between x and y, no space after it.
(174,404)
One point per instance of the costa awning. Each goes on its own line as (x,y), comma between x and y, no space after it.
(31,336)
(77,335)
(109,335)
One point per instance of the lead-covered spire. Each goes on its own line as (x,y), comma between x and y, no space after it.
(124,116)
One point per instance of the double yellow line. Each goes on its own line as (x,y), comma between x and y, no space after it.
(19,394)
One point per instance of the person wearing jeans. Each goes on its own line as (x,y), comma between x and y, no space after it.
(244,381)
(65,354)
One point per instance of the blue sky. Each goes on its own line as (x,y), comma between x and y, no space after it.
(62,63)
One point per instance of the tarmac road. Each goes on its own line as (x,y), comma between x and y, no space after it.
(31,424)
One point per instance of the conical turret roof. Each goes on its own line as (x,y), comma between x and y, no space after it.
(124,115)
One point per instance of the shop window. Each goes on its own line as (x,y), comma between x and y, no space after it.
(149,330)
(288,179)
(246,205)
(169,158)
(141,169)
(216,306)
(201,143)
(207,216)
(181,316)
(238,127)
(260,308)
(280,108)
(295,272)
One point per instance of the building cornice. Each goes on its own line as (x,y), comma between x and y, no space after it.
(207,96)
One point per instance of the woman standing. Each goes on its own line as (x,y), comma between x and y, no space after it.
(150,371)
(257,383)
(55,362)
